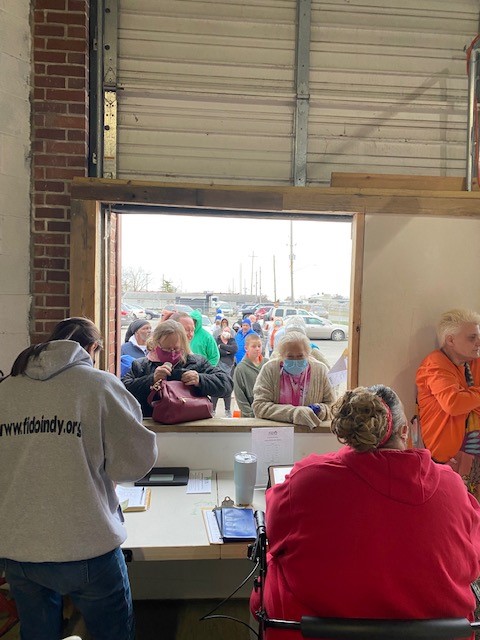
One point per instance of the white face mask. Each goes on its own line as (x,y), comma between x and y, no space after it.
(226,335)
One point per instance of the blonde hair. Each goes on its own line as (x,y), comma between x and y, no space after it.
(294,337)
(250,337)
(360,417)
(168,328)
(451,323)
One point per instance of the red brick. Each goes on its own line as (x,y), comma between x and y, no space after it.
(65,122)
(50,30)
(68,18)
(38,198)
(77,108)
(38,173)
(48,81)
(59,200)
(57,301)
(50,161)
(50,238)
(38,43)
(56,5)
(76,83)
(77,5)
(75,70)
(73,161)
(58,226)
(38,120)
(50,287)
(39,68)
(39,301)
(49,314)
(39,225)
(49,185)
(49,107)
(76,134)
(61,44)
(58,276)
(68,148)
(55,57)
(37,146)
(49,212)
(39,94)
(76,58)
(49,263)
(77,31)
(56,252)
(50,134)
(65,95)
(63,174)
(39,16)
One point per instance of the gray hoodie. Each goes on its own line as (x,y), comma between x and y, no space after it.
(68,432)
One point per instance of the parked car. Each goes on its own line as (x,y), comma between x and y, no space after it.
(178,307)
(321,329)
(150,313)
(319,310)
(285,312)
(207,324)
(125,316)
(137,312)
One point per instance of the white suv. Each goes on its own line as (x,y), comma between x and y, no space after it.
(286,312)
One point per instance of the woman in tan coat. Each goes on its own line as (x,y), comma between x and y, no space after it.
(293,388)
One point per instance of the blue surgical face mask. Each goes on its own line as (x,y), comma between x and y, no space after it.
(295,367)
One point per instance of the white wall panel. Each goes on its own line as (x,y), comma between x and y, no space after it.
(14,179)
(208,88)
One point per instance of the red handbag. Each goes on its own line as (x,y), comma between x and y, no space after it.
(174,402)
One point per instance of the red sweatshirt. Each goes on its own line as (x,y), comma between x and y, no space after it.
(388,534)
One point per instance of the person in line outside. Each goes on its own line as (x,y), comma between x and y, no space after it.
(134,346)
(170,358)
(201,341)
(297,323)
(246,372)
(272,332)
(448,396)
(224,323)
(293,387)
(375,551)
(245,329)
(227,348)
(166,315)
(70,432)
(218,326)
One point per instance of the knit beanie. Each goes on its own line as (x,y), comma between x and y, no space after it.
(134,327)
(247,321)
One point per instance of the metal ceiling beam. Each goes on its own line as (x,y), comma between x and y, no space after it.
(302,89)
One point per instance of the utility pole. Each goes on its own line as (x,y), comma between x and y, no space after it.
(292,258)
(240,282)
(274,281)
(253,256)
(260,283)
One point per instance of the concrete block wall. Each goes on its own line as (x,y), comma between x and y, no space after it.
(59,149)
(15,299)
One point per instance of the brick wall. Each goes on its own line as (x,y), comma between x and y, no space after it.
(59,148)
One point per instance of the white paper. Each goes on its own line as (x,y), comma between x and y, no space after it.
(272,446)
(200,481)
(131,496)
(211,524)
(338,373)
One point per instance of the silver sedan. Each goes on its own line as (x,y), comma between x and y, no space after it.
(322,329)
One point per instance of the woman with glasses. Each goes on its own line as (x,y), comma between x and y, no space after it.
(170,358)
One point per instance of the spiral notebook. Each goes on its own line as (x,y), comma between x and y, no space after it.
(133,498)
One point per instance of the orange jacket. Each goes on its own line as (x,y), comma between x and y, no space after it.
(444,402)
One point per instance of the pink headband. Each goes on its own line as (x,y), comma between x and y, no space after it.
(389,430)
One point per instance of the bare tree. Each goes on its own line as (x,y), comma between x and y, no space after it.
(135,279)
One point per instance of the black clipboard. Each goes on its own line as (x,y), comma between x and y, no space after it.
(164,477)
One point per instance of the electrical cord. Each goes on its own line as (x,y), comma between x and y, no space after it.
(209,616)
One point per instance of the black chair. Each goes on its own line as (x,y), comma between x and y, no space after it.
(352,628)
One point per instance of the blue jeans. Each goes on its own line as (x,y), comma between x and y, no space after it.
(99,588)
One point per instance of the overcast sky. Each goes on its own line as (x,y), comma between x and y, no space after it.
(209,254)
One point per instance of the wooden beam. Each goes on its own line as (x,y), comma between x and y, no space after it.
(356,281)
(387,181)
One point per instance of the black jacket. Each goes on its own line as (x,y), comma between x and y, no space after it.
(213,381)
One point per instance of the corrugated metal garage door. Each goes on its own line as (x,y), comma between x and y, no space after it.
(208,88)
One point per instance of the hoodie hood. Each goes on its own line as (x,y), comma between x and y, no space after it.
(407,476)
(57,357)
(197,318)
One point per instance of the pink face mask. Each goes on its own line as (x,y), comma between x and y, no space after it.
(168,356)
